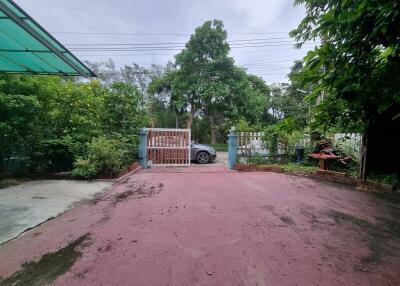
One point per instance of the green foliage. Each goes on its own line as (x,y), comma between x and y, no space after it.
(299,168)
(288,167)
(123,114)
(46,122)
(17,123)
(257,160)
(243,126)
(354,72)
(392,179)
(104,156)
(84,168)
(204,73)
(206,83)
(220,147)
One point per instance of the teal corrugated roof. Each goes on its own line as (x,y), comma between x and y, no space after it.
(26,47)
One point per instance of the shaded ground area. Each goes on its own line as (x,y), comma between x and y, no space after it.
(188,226)
(29,204)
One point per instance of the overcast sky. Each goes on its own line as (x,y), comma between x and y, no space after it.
(152,31)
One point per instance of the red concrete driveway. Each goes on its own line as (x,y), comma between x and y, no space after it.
(210,226)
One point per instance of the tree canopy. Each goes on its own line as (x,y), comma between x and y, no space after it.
(207,83)
(357,65)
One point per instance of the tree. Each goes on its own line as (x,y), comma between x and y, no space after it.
(122,112)
(205,83)
(250,98)
(360,47)
(288,99)
(354,73)
(133,74)
(161,89)
(204,70)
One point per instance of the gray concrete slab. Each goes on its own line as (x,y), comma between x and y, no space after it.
(29,204)
(222,158)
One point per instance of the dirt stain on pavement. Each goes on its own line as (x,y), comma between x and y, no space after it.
(48,268)
(381,237)
(287,219)
(138,193)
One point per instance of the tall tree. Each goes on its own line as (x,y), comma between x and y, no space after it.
(162,91)
(204,70)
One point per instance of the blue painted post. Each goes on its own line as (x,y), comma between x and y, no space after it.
(142,152)
(232,149)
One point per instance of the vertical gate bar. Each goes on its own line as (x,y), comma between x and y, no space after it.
(173,155)
(181,138)
(183,134)
(180,157)
(184,144)
(175,146)
(180,150)
(189,142)
(179,145)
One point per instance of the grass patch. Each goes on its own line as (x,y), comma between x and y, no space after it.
(220,147)
(48,268)
(391,179)
(298,168)
(293,168)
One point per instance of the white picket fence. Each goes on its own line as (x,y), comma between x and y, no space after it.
(253,144)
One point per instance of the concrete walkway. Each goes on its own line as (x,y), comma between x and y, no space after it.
(199,226)
(222,159)
(27,205)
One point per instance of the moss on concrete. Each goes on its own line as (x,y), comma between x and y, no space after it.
(48,268)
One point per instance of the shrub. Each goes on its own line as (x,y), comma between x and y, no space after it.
(84,168)
(105,157)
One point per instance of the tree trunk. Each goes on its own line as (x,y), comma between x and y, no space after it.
(213,130)
(176,119)
(190,119)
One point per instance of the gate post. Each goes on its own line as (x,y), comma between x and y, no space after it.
(142,152)
(232,149)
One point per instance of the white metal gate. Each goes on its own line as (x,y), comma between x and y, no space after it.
(168,146)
